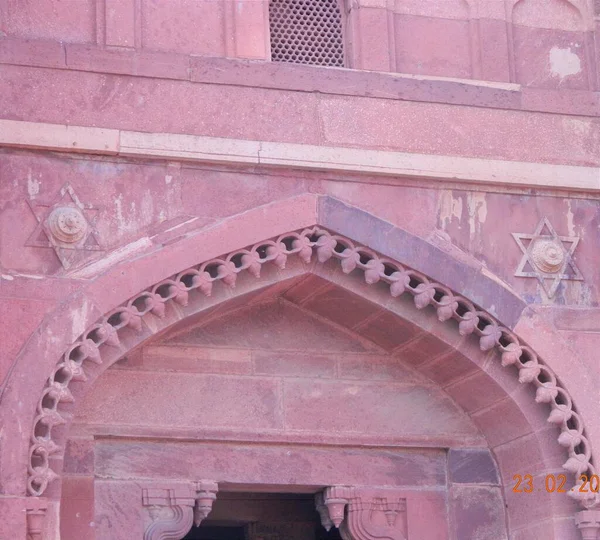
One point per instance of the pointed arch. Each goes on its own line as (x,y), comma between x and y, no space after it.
(190,287)
(96,327)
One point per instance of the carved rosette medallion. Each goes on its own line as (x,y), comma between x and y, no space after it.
(66,225)
(547,257)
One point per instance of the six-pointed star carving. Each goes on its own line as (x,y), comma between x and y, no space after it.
(76,217)
(546,257)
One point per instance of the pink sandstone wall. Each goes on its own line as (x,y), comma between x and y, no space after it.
(338,380)
(186,198)
(544,44)
(465,221)
(274,371)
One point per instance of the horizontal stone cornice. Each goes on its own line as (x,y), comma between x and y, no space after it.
(195,148)
(160,65)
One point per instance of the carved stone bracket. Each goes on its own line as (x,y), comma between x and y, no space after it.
(588,522)
(172,510)
(364,513)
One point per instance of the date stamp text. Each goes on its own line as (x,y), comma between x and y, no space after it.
(555,483)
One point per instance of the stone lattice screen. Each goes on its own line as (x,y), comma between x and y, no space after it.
(306,32)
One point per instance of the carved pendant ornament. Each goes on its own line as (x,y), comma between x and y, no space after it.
(35,513)
(194,284)
(363,513)
(547,257)
(65,225)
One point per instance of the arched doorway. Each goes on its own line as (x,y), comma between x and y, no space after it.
(121,331)
(274,391)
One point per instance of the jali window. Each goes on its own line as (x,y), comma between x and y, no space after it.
(306,32)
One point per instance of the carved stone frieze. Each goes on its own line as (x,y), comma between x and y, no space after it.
(66,225)
(194,284)
(547,257)
(365,513)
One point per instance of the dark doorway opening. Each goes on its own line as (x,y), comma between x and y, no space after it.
(262,516)
(212,532)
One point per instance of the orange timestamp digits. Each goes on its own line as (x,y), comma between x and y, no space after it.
(555,483)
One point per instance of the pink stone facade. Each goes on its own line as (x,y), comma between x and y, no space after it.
(242,298)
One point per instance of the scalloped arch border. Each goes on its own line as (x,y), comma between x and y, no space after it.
(305,244)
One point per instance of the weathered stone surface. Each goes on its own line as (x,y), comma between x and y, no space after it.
(441,48)
(79,456)
(274,465)
(403,351)
(294,364)
(472,467)
(401,245)
(389,409)
(13,523)
(118,512)
(189,400)
(477,512)
(77,512)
